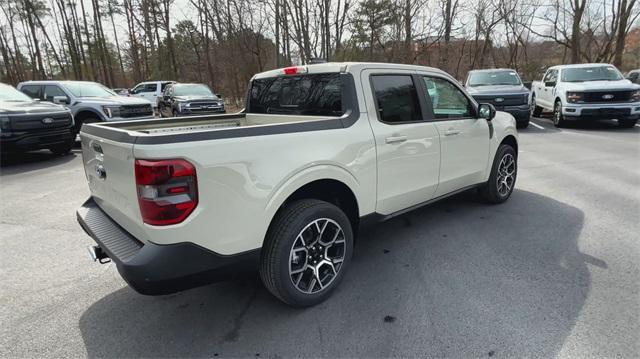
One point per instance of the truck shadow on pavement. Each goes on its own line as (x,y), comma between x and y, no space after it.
(16,163)
(459,278)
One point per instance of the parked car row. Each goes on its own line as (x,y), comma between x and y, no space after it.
(570,92)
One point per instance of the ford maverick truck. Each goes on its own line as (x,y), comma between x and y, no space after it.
(586,92)
(284,186)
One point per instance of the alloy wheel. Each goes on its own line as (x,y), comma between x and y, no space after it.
(506,174)
(317,255)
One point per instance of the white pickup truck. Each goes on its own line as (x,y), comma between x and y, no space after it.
(586,92)
(284,186)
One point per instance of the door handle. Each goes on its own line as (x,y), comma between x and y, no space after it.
(451,132)
(395,139)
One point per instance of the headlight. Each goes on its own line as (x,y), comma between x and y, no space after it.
(574,97)
(111,111)
(635,96)
(183,105)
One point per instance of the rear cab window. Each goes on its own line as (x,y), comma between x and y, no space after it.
(396,98)
(318,94)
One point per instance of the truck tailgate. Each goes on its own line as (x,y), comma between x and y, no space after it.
(109,168)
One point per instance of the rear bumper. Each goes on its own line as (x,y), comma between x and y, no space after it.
(153,269)
(28,141)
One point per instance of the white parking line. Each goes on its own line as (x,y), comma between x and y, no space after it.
(536,125)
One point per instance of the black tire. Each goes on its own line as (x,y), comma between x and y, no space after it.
(558,118)
(627,123)
(85,120)
(523,124)
(282,237)
(536,111)
(490,191)
(62,149)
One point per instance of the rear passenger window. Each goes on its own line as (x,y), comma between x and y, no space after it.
(446,99)
(311,95)
(150,88)
(51,91)
(32,91)
(396,98)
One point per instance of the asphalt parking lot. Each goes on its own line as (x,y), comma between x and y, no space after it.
(555,271)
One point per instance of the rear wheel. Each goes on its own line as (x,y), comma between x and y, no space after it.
(558,118)
(627,123)
(536,111)
(307,250)
(503,175)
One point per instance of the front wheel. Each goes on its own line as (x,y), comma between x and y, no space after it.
(627,123)
(62,149)
(503,175)
(536,111)
(558,117)
(522,124)
(307,250)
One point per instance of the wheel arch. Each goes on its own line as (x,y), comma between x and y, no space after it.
(327,183)
(511,141)
(84,113)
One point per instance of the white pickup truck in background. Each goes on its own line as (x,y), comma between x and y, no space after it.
(586,92)
(284,186)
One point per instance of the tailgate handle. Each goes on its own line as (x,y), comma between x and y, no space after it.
(96,147)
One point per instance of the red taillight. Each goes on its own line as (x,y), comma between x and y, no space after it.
(167,190)
(295,70)
(290,70)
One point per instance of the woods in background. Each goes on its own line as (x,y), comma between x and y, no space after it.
(224,42)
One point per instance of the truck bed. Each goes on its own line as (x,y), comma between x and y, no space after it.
(176,129)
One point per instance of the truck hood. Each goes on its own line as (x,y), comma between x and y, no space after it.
(497,90)
(115,100)
(600,85)
(194,98)
(29,107)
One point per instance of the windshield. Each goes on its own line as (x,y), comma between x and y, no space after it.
(191,90)
(88,89)
(491,78)
(591,73)
(8,93)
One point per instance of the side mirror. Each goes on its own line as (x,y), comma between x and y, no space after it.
(549,83)
(61,100)
(218,95)
(486,111)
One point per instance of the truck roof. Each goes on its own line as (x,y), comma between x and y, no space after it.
(349,67)
(492,70)
(579,65)
(45,82)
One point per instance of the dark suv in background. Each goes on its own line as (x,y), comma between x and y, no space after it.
(503,89)
(188,100)
(27,124)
